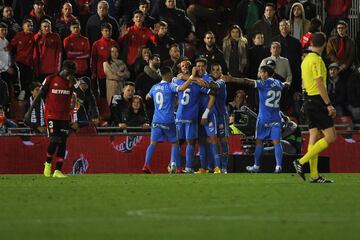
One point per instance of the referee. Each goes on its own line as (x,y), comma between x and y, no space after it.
(318,109)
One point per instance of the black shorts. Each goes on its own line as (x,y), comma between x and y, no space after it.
(316,113)
(58,128)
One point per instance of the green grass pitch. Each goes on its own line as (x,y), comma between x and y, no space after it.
(232,206)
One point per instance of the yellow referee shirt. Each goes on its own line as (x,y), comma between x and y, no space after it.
(312,68)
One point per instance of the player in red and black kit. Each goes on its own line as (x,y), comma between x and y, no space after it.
(58,89)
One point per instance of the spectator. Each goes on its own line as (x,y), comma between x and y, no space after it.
(336,10)
(21,9)
(149,21)
(8,18)
(336,88)
(299,25)
(4,95)
(238,101)
(136,115)
(121,103)
(116,73)
(84,13)
(282,66)
(315,26)
(7,71)
(248,13)
(135,37)
(256,54)
(77,49)
(234,49)
(87,110)
(341,49)
(54,8)
(126,9)
(268,25)
(93,25)
(163,41)
(147,79)
(211,52)
(37,120)
(353,93)
(284,8)
(174,53)
(37,15)
(100,53)
(141,61)
(22,46)
(205,14)
(47,53)
(179,25)
(64,21)
(113,7)
(290,49)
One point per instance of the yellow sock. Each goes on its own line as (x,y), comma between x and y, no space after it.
(318,147)
(313,162)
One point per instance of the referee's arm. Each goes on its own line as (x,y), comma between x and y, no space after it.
(325,97)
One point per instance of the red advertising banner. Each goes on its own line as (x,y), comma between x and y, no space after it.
(126,154)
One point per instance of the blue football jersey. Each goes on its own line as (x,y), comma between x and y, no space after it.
(220,103)
(269,99)
(188,107)
(204,98)
(163,95)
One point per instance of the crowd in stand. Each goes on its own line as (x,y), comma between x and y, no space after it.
(120,45)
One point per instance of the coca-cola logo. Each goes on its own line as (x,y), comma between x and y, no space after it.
(127,145)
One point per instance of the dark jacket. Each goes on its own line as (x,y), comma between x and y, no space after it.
(353,89)
(179,25)
(88,109)
(118,108)
(93,27)
(214,56)
(269,30)
(133,119)
(255,55)
(4,94)
(162,46)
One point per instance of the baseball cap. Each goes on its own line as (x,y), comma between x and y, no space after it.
(39,2)
(334,65)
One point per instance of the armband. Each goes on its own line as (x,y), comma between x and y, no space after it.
(206,113)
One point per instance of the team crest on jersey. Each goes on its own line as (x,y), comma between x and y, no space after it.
(55,84)
(82,43)
(101,48)
(20,42)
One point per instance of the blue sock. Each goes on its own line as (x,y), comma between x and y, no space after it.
(209,157)
(258,152)
(149,153)
(225,155)
(215,154)
(175,155)
(202,150)
(278,154)
(190,148)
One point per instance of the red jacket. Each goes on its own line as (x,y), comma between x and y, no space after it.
(58,98)
(77,49)
(136,38)
(47,53)
(337,8)
(100,53)
(23,44)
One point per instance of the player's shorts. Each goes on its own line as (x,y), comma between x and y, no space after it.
(209,129)
(223,125)
(268,130)
(316,113)
(58,128)
(187,130)
(161,132)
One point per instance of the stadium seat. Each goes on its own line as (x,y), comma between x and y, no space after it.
(343,123)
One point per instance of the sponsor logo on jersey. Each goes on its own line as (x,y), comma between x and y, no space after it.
(60,91)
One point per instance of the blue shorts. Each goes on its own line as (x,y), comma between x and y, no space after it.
(209,129)
(187,130)
(160,132)
(268,131)
(223,125)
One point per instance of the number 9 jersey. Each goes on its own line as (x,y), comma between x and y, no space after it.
(269,99)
